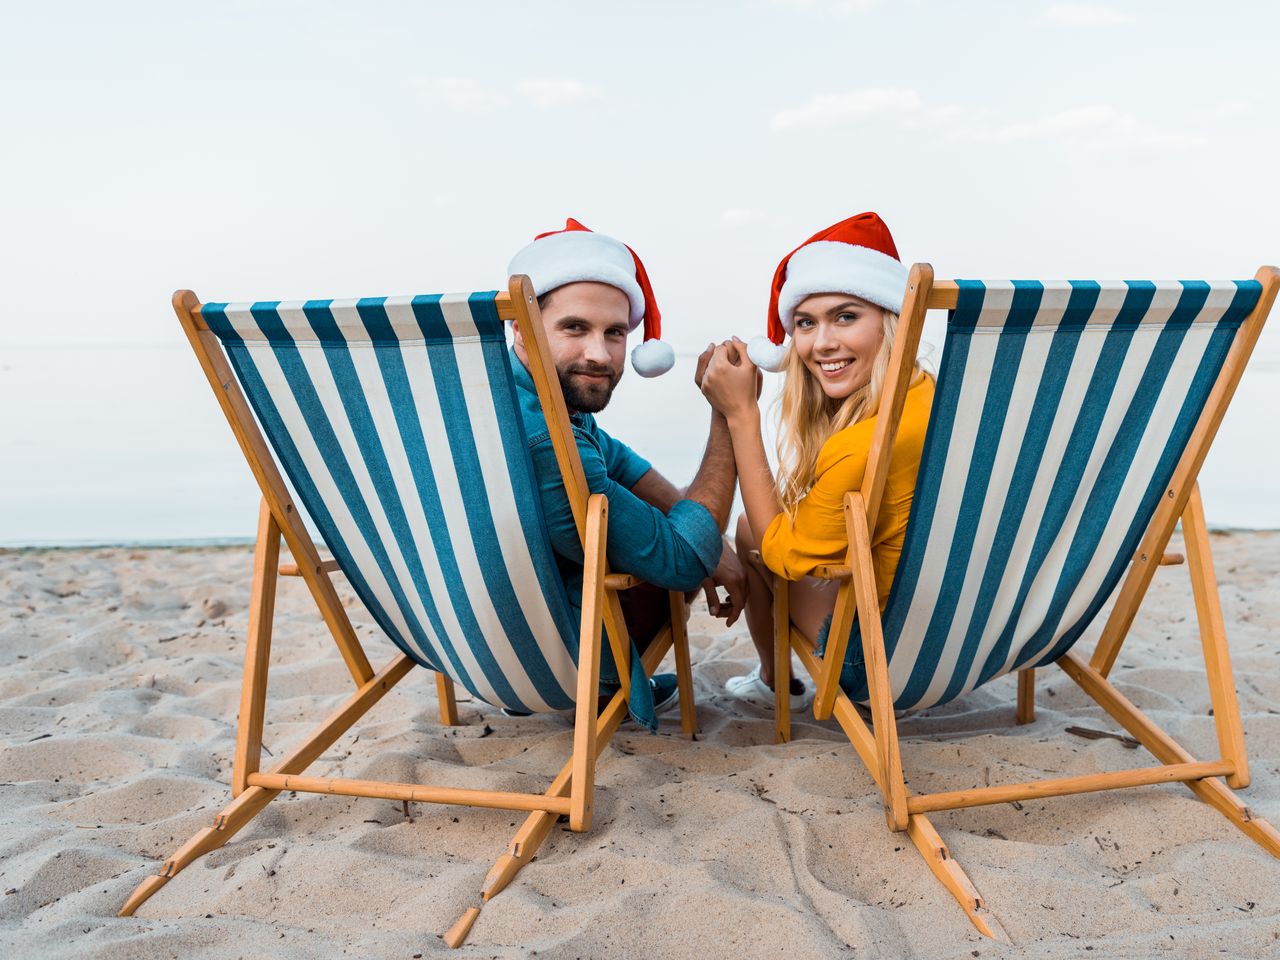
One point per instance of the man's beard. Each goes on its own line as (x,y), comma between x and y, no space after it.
(584,396)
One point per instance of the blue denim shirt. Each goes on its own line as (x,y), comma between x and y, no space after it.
(676,551)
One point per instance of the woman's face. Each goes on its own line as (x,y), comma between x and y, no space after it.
(837,336)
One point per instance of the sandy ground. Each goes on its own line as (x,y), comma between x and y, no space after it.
(119,685)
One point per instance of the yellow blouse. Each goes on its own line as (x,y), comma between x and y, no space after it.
(794,546)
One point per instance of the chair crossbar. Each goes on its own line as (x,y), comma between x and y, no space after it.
(412,792)
(1062,786)
(293,570)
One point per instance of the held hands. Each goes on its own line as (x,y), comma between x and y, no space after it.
(729,380)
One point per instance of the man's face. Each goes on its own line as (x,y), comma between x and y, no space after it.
(587,326)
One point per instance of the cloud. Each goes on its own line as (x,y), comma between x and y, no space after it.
(834,109)
(1100,125)
(1090,127)
(546,94)
(468,95)
(464,94)
(1087,15)
(828,6)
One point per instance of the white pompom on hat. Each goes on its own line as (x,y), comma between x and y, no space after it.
(577,254)
(855,256)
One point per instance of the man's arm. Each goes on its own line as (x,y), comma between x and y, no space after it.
(713,485)
(656,490)
(674,550)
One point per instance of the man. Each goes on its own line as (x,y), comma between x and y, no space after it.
(592,291)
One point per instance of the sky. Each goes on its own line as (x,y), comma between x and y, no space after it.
(293,150)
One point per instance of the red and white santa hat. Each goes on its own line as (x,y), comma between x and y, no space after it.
(855,256)
(576,254)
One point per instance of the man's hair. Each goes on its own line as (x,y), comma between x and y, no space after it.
(544,300)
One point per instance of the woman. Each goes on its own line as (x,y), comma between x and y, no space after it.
(838,295)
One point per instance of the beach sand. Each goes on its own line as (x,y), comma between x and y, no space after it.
(119,686)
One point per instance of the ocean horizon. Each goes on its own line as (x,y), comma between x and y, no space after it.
(123,444)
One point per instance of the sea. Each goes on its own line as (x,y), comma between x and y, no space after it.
(125,444)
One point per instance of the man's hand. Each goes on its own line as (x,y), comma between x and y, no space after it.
(703,359)
(729,575)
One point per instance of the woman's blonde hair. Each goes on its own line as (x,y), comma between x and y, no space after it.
(808,418)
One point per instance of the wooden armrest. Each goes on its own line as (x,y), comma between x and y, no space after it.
(621,581)
(291,569)
(1172,559)
(833,571)
(826,571)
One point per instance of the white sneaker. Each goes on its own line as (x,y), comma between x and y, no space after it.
(754,690)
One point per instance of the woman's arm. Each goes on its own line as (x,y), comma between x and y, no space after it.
(731,385)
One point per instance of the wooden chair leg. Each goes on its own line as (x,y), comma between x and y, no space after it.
(257,652)
(583,763)
(684,665)
(537,826)
(1213,638)
(885,725)
(448,701)
(949,873)
(781,660)
(919,829)
(1026,695)
(225,826)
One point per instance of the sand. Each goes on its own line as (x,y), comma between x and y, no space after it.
(119,685)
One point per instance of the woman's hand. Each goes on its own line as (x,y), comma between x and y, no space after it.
(731,381)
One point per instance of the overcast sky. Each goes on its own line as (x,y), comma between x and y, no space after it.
(290,150)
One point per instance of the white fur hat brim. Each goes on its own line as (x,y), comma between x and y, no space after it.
(828,266)
(576,256)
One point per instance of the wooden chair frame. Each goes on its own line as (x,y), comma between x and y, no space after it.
(878,745)
(572,791)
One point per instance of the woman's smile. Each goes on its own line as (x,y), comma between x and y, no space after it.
(834,368)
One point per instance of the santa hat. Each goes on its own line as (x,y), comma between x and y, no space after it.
(577,254)
(855,256)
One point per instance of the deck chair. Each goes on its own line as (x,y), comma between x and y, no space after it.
(1068,427)
(396,423)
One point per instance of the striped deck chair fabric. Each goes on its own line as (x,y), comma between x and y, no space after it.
(395,420)
(1059,417)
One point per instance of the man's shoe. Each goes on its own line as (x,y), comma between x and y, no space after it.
(752,689)
(666,692)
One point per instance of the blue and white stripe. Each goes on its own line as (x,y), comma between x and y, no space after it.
(1060,413)
(395,420)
